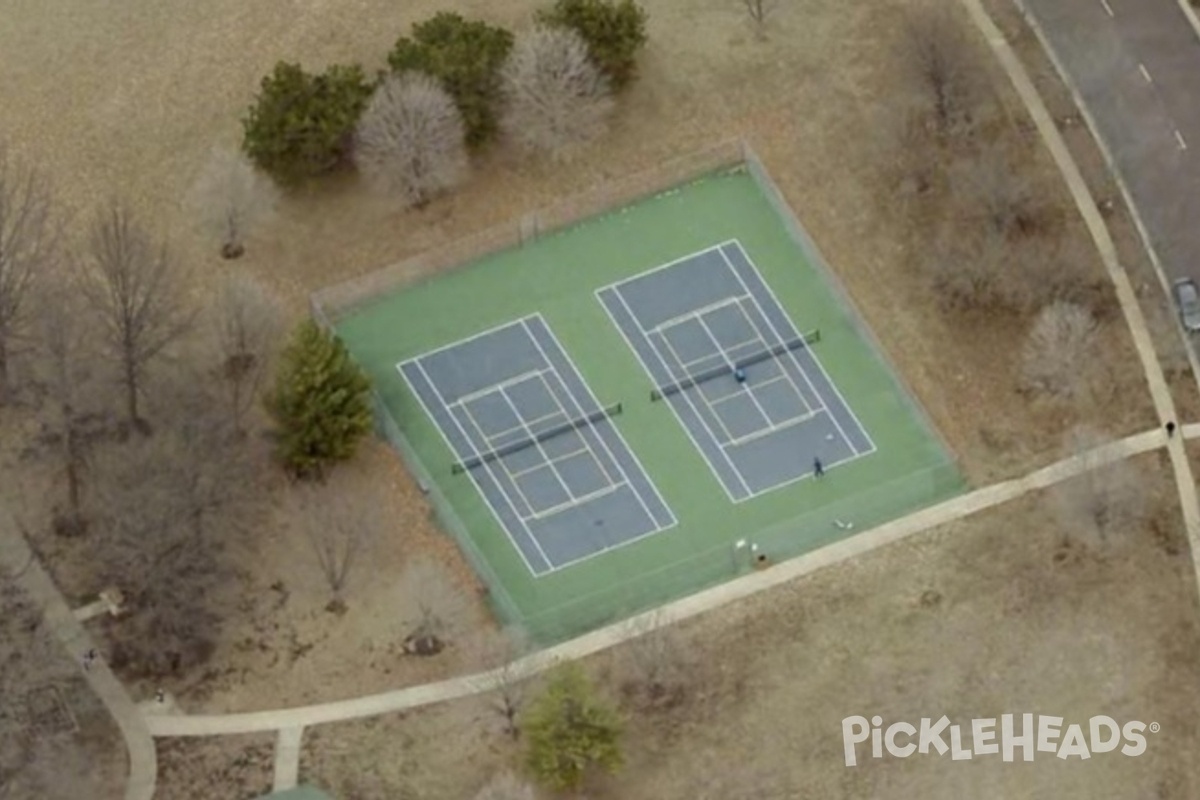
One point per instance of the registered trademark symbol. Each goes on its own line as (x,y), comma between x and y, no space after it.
(1155,727)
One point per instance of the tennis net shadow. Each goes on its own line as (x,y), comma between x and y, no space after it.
(556,430)
(807,339)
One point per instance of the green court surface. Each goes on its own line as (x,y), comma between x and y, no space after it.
(557,276)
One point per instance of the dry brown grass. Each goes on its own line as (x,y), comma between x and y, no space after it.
(233,767)
(130,98)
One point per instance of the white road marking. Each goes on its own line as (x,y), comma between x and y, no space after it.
(1145,72)
(1107,7)
(1179,138)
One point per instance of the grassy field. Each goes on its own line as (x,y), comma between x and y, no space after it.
(557,276)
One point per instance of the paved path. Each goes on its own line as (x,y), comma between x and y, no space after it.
(894,531)
(16,557)
(1086,205)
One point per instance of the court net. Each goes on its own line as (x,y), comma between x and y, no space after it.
(809,338)
(532,441)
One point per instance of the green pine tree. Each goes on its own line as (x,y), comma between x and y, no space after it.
(320,403)
(568,730)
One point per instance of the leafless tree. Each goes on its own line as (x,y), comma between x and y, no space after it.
(169,505)
(230,198)
(1056,354)
(655,661)
(945,67)
(506,681)
(64,367)
(1000,187)
(759,12)
(137,292)
(436,610)
(506,786)
(341,523)
(556,98)
(247,321)
(411,139)
(30,241)
(1106,504)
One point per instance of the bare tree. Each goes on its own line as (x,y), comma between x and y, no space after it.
(247,320)
(1106,504)
(1001,188)
(137,292)
(655,661)
(230,198)
(64,367)
(411,139)
(556,98)
(341,522)
(945,66)
(1056,354)
(506,680)
(506,786)
(436,610)
(168,506)
(29,242)
(759,12)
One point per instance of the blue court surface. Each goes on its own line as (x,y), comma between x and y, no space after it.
(739,376)
(541,450)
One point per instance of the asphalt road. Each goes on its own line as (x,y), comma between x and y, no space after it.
(1136,65)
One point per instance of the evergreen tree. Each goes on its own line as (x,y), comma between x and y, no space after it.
(320,402)
(465,56)
(569,730)
(613,29)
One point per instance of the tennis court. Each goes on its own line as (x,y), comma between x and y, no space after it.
(542,451)
(739,376)
(518,390)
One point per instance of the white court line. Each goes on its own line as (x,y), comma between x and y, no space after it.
(782,343)
(813,355)
(481,334)
(527,470)
(665,265)
(587,446)
(583,499)
(501,465)
(620,437)
(687,397)
(783,339)
(694,313)
(650,374)
(540,448)
(717,417)
(774,428)
(474,481)
(729,361)
(485,391)
(579,406)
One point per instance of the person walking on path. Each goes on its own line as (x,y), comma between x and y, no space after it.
(818,467)
(1170,429)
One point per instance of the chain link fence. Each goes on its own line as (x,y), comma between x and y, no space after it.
(699,570)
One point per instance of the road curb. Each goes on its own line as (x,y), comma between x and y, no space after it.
(1190,13)
(1111,164)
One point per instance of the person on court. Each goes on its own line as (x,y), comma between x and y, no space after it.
(818,467)
(739,375)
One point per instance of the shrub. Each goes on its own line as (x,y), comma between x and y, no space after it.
(614,32)
(568,730)
(320,402)
(465,56)
(301,124)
